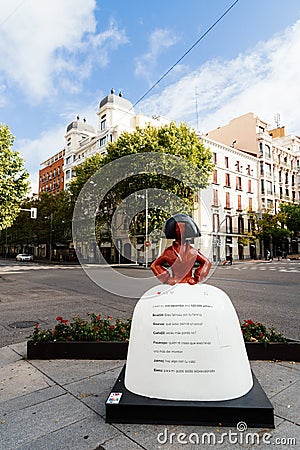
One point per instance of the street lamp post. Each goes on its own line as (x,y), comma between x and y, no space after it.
(146,231)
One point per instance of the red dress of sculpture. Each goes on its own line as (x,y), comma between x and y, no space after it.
(181,256)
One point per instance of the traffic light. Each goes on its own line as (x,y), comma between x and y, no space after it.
(33,213)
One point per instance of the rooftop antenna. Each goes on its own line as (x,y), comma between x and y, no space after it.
(277,119)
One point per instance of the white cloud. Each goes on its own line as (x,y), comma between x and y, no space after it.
(264,80)
(38,150)
(44,44)
(160,40)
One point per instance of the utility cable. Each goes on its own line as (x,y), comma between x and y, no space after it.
(186,53)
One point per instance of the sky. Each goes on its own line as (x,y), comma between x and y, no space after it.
(59,58)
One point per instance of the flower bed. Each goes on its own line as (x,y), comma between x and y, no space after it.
(101,338)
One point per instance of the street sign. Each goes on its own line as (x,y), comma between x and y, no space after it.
(147,243)
(33,213)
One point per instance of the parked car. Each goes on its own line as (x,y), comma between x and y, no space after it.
(24,257)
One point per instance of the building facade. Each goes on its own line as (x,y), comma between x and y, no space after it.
(278,181)
(229,203)
(51,174)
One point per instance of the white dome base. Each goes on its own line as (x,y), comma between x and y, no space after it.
(186,344)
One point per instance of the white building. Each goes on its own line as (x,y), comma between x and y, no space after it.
(277,160)
(228,204)
(116,115)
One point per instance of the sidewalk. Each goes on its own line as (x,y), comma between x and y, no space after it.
(60,405)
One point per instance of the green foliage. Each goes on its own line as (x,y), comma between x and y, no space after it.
(180,141)
(291,216)
(54,217)
(257,332)
(13,179)
(270,226)
(95,329)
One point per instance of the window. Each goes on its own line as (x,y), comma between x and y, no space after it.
(250,206)
(240,225)
(215,177)
(227,199)
(54,173)
(215,158)
(280,176)
(228,224)
(239,199)
(249,186)
(216,222)
(102,141)
(261,167)
(239,183)
(268,170)
(215,197)
(267,152)
(68,174)
(237,165)
(262,186)
(249,169)
(269,188)
(226,162)
(286,178)
(103,123)
(68,159)
(261,149)
(227,179)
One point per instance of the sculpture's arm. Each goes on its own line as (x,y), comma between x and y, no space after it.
(202,271)
(158,269)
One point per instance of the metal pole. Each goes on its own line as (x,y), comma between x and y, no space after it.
(146,248)
(50,244)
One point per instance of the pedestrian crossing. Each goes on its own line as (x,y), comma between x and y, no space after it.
(269,266)
(12,268)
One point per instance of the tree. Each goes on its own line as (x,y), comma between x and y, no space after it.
(13,179)
(53,223)
(291,216)
(180,141)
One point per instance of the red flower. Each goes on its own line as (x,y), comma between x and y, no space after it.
(99,317)
(36,325)
(109,317)
(64,321)
(111,327)
(59,318)
(250,322)
(261,335)
(96,328)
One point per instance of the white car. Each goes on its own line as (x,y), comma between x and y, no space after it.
(24,257)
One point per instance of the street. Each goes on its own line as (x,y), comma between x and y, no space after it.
(262,291)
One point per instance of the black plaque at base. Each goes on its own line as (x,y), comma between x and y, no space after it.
(254,408)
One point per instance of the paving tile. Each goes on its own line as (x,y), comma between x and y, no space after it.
(7,356)
(93,391)
(290,364)
(86,434)
(175,437)
(67,371)
(286,403)
(34,398)
(121,442)
(29,424)
(285,436)
(19,378)
(20,348)
(274,377)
